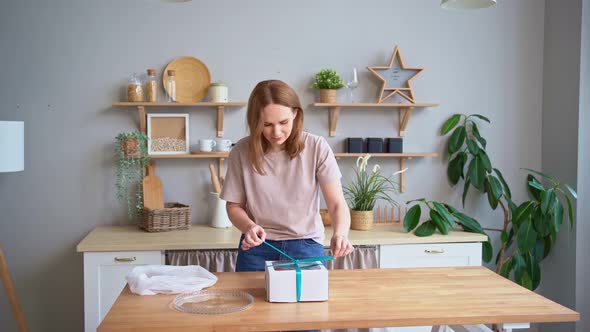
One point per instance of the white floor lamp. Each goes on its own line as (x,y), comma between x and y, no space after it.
(12,148)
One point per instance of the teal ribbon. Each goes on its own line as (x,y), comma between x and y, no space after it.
(297,264)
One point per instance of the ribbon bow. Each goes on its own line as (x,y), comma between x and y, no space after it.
(297,264)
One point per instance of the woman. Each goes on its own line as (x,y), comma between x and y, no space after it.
(273,182)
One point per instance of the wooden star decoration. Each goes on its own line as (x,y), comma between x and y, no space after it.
(396,79)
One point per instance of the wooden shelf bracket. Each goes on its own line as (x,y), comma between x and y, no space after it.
(334,114)
(404,117)
(220,110)
(142,119)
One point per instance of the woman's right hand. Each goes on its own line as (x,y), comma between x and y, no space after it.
(253,237)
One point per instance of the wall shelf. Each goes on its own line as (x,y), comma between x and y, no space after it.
(402,161)
(141,110)
(220,156)
(405,109)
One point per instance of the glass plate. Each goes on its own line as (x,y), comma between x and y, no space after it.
(213,302)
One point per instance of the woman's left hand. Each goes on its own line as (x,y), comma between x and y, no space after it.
(340,246)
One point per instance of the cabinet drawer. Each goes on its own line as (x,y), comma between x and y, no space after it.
(430,255)
(126,257)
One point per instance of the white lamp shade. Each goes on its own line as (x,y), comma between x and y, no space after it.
(12,146)
(467,4)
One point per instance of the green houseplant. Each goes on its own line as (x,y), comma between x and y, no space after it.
(131,160)
(529,229)
(328,81)
(364,190)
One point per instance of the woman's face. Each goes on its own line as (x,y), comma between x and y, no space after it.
(278,123)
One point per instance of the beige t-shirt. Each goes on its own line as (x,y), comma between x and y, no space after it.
(285,201)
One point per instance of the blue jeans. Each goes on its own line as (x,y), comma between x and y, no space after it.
(253,259)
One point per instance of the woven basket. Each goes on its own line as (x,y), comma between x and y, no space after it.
(361,220)
(328,95)
(173,216)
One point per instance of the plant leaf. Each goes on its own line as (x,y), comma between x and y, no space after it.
(465,190)
(506,268)
(522,212)
(475,132)
(492,200)
(571,190)
(469,224)
(442,210)
(486,161)
(570,210)
(439,222)
(427,228)
(526,236)
(533,271)
(547,200)
(504,184)
(519,265)
(541,174)
(504,237)
(541,222)
(496,186)
(525,281)
(487,251)
(482,117)
(476,172)
(557,215)
(412,218)
(450,124)
(472,146)
(456,140)
(455,168)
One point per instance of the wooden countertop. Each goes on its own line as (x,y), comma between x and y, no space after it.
(130,238)
(358,299)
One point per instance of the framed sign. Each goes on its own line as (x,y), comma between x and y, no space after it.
(396,80)
(167,134)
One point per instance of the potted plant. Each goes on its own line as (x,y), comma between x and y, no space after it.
(132,158)
(328,81)
(364,191)
(529,229)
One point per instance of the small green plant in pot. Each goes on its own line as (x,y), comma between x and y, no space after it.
(132,158)
(328,81)
(364,191)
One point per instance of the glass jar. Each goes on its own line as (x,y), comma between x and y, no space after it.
(151,86)
(171,86)
(134,89)
(218,92)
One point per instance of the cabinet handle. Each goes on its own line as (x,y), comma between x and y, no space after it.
(431,251)
(125,259)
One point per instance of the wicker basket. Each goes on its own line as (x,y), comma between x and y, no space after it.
(361,220)
(172,217)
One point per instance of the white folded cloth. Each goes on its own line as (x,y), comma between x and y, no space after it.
(167,279)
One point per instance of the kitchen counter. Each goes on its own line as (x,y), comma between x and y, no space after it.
(131,238)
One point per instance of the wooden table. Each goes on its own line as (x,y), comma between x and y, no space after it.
(358,298)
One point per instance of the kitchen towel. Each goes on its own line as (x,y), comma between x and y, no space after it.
(166,279)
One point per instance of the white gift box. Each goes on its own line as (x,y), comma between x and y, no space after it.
(281,282)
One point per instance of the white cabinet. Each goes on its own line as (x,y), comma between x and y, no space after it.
(430,255)
(104,279)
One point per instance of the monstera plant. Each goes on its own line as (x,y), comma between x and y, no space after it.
(529,229)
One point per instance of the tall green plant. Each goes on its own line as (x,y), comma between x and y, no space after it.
(530,228)
(364,191)
(129,173)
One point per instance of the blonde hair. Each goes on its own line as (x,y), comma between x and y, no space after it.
(264,94)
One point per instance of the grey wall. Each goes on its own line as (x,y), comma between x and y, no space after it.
(582,227)
(561,87)
(65,62)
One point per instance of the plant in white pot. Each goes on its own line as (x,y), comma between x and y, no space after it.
(328,81)
(363,192)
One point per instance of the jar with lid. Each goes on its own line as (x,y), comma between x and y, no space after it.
(134,89)
(218,92)
(171,86)
(151,86)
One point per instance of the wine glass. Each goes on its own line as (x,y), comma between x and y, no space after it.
(352,84)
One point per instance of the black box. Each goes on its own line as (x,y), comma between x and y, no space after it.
(395,145)
(375,145)
(355,145)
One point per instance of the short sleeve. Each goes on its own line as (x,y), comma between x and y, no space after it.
(233,187)
(327,168)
